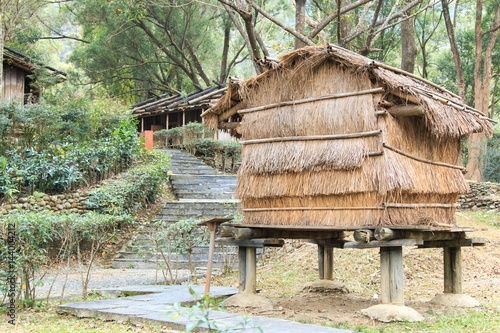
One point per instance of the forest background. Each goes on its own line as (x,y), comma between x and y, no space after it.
(124,51)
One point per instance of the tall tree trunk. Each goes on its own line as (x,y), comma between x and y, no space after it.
(408,45)
(2,43)
(344,24)
(454,49)
(482,79)
(225,50)
(300,21)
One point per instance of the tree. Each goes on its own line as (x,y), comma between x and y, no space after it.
(408,46)
(485,36)
(482,80)
(154,47)
(13,13)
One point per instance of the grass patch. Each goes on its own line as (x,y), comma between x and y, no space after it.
(46,320)
(489,218)
(460,322)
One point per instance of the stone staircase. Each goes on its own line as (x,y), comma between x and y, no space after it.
(202,193)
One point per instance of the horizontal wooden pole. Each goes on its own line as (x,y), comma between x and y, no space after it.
(275,209)
(420,205)
(311,99)
(423,160)
(406,110)
(374,244)
(314,137)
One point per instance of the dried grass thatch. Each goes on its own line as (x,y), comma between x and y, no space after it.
(319,147)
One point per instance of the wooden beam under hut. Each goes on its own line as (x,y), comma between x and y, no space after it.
(406,110)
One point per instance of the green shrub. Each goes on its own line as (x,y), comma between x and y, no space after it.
(57,148)
(182,137)
(134,189)
(34,233)
(223,155)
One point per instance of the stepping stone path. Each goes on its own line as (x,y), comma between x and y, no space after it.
(202,192)
(155,304)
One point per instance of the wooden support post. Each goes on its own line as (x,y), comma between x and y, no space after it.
(183,118)
(251,270)
(321,261)
(452,270)
(242,267)
(168,121)
(391,275)
(328,263)
(212,225)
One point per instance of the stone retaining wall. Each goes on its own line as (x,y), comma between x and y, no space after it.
(482,196)
(64,203)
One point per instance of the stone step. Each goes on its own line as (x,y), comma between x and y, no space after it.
(203,193)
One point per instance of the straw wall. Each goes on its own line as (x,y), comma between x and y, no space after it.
(335,162)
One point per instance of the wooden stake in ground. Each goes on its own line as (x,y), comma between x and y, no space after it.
(212,225)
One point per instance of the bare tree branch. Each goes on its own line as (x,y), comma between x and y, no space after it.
(271,18)
(66,37)
(332,16)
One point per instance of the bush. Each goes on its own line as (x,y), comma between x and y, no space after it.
(182,137)
(33,234)
(223,155)
(57,149)
(134,189)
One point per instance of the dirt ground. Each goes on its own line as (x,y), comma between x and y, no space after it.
(358,270)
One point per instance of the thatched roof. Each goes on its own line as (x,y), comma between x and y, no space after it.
(199,100)
(445,113)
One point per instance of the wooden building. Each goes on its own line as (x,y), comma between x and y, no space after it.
(18,69)
(165,112)
(334,139)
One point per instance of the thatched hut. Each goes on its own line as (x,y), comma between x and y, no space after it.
(332,138)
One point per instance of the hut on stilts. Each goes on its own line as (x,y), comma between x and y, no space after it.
(331,138)
(332,142)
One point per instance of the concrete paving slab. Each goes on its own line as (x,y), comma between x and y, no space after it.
(157,305)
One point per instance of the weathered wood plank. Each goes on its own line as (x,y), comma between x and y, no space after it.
(328,263)
(385,280)
(321,261)
(452,270)
(242,268)
(251,270)
(391,243)
(452,243)
(253,243)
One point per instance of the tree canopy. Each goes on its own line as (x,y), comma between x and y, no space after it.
(136,49)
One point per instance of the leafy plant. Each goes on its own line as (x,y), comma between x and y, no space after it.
(35,233)
(134,189)
(200,316)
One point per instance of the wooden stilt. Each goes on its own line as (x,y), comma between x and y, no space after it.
(452,270)
(242,267)
(251,270)
(391,274)
(328,263)
(321,261)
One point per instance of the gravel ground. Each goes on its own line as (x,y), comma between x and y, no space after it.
(100,278)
